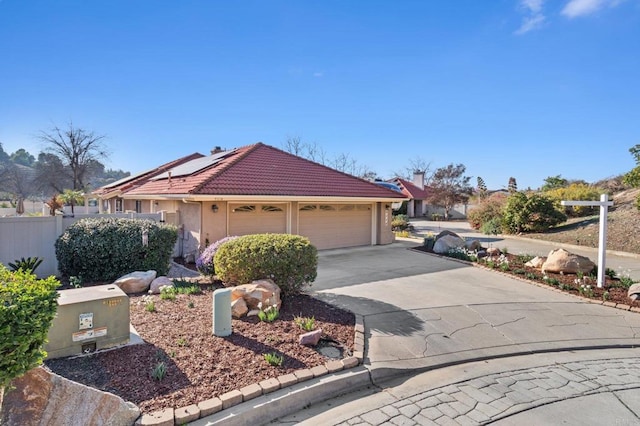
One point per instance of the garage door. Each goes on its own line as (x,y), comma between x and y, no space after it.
(335,225)
(247,219)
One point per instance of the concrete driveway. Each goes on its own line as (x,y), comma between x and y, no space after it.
(421,311)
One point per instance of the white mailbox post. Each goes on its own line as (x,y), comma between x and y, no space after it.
(604,204)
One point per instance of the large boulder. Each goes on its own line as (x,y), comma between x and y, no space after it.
(560,260)
(44,398)
(473,245)
(446,243)
(136,282)
(258,294)
(158,283)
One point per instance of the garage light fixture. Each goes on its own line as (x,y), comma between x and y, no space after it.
(214,208)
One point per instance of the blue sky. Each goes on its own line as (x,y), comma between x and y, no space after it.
(522,88)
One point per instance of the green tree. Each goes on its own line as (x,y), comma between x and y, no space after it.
(554,182)
(530,213)
(632,178)
(513,185)
(449,186)
(482,188)
(23,158)
(71,197)
(4,157)
(78,150)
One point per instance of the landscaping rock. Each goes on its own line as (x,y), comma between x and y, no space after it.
(136,282)
(536,262)
(261,292)
(634,291)
(238,308)
(446,243)
(158,283)
(311,338)
(473,245)
(493,251)
(560,260)
(41,397)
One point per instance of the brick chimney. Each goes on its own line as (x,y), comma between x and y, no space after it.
(418,179)
(216,150)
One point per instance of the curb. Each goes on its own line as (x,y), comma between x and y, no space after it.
(300,388)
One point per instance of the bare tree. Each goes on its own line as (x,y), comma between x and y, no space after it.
(416,165)
(52,176)
(18,180)
(449,187)
(78,149)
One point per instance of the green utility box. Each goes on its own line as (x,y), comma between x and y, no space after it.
(89,319)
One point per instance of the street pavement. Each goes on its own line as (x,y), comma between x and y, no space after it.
(449,343)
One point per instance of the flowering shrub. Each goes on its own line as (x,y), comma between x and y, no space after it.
(204,262)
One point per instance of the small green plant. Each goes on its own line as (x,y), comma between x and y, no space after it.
(150,306)
(586,290)
(531,276)
(190,304)
(29,264)
(626,281)
(580,275)
(186,287)
(505,250)
(605,296)
(610,273)
(182,342)
(402,234)
(550,281)
(306,323)
(274,359)
(75,282)
(504,267)
(168,293)
(523,258)
(159,371)
(269,314)
(490,264)
(519,271)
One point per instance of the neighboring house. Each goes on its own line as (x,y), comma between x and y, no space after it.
(416,192)
(257,189)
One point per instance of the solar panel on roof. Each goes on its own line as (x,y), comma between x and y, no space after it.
(193,166)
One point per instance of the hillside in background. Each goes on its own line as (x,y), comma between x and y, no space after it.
(623,232)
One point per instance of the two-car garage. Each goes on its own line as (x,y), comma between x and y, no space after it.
(326,225)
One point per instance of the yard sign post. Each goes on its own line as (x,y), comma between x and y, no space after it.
(604,204)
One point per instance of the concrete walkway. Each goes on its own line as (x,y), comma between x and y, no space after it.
(448,343)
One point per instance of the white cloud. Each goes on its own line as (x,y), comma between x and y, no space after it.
(576,8)
(534,18)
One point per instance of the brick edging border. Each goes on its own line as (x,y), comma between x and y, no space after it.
(190,413)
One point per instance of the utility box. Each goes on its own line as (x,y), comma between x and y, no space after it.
(89,319)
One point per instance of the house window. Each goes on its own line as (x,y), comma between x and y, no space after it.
(363,207)
(271,209)
(119,205)
(327,207)
(308,208)
(244,209)
(138,206)
(347,207)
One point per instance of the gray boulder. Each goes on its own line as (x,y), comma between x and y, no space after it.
(560,260)
(136,282)
(634,291)
(446,243)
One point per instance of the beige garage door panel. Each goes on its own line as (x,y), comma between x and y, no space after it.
(336,225)
(245,219)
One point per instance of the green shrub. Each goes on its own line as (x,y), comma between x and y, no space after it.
(400,222)
(489,210)
(27,308)
(104,249)
(492,226)
(291,261)
(530,213)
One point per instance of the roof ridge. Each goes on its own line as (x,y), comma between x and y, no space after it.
(240,153)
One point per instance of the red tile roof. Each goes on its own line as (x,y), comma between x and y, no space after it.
(410,190)
(261,169)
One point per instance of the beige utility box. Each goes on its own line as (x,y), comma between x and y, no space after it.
(89,319)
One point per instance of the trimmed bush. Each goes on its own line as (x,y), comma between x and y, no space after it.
(291,261)
(530,213)
(104,249)
(204,262)
(27,308)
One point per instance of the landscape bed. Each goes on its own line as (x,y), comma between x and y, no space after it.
(199,365)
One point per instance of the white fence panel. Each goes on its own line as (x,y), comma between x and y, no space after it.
(36,236)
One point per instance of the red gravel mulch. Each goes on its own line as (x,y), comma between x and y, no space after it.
(199,365)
